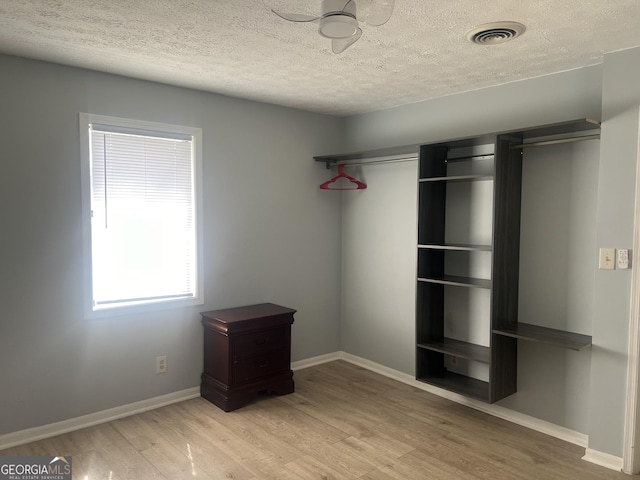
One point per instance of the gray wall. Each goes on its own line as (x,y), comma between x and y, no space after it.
(270,236)
(378,266)
(582,391)
(616,193)
(537,101)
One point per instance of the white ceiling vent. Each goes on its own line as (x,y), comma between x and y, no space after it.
(496,32)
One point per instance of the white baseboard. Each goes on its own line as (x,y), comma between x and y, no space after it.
(594,456)
(497,411)
(51,430)
(603,459)
(313,361)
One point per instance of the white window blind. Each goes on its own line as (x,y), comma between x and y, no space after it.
(143,207)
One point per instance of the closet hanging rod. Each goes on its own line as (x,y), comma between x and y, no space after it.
(379,162)
(555,142)
(483,156)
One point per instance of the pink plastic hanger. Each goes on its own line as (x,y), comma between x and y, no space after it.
(354,185)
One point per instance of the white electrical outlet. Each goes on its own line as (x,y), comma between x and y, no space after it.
(622,258)
(607,256)
(161,364)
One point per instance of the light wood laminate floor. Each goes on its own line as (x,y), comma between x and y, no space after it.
(342,422)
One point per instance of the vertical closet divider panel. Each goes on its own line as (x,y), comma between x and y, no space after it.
(506,259)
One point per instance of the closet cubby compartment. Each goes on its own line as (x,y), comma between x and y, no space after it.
(431,370)
(455,197)
(464,267)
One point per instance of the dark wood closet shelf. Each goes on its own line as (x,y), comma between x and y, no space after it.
(457,178)
(471,158)
(573,126)
(367,154)
(457,246)
(535,333)
(457,383)
(457,348)
(562,128)
(457,281)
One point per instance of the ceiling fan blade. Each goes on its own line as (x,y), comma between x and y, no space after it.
(296,17)
(339,45)
(375,12)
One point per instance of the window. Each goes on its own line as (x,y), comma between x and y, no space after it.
(141,211)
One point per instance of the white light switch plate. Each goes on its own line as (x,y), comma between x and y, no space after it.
(607,259)
(622,258)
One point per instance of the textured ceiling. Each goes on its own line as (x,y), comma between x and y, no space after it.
(238,48)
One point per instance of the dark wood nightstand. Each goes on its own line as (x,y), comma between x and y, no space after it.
(247,350)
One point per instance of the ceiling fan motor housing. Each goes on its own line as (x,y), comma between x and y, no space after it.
(338,19)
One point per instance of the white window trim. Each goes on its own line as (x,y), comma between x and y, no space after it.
(85,150)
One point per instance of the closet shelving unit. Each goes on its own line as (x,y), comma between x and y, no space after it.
(447,266)
(450,185)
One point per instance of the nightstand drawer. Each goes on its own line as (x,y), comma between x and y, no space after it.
(260,342)
(256,367)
